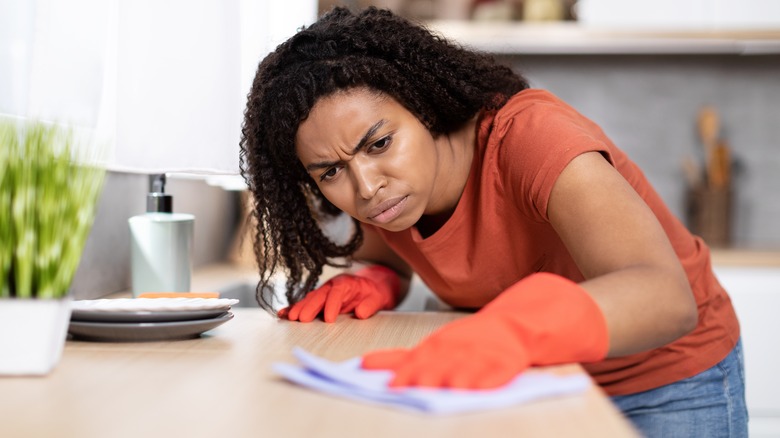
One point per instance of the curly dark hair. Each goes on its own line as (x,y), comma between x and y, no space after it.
(442,84)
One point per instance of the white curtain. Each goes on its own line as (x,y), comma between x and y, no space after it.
(163,81)
(52,57)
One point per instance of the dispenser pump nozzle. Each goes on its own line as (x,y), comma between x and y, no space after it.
(157,201)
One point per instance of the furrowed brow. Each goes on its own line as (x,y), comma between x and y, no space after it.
(362,143)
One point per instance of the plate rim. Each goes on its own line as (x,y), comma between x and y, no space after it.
(138,332)
(81,315)
(161,304)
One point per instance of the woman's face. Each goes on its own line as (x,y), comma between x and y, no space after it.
(371,158)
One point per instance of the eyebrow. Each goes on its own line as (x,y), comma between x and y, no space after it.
(363,140)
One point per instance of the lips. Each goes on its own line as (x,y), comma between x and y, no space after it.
(387,210)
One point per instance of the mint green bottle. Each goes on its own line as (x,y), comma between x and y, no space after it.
(161,244)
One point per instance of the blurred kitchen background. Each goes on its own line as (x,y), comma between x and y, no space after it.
(644,71)
(690,89)
(166,83)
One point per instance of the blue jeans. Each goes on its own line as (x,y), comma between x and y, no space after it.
(710,404)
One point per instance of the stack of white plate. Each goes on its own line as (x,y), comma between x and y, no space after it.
(147,319)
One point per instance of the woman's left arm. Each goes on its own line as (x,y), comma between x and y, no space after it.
(631,269)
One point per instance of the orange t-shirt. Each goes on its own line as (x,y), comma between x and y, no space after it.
(500,233)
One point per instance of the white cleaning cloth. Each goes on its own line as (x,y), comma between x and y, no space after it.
(347,379)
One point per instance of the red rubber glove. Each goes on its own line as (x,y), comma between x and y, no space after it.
(543,319)
(365,292)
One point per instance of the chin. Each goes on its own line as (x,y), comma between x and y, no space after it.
(391,227)
(395,226)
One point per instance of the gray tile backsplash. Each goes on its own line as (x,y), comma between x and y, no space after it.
(648,106)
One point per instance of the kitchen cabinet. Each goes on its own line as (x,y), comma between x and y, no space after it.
(755,293)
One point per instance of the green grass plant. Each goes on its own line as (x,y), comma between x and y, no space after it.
(49,187)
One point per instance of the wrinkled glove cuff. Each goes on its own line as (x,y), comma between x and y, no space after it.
(385,277)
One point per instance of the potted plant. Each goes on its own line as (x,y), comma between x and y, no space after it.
(49,185)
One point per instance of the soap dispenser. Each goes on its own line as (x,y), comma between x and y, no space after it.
(161,244)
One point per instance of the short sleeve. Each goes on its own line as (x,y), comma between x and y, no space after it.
(533,143)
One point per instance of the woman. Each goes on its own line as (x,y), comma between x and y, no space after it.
(505,201)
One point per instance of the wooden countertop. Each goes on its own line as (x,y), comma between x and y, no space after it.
(746,258)
(222,385)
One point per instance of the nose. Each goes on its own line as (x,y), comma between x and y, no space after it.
(368,179)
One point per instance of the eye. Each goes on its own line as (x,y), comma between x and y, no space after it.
(381,144)
(329,174)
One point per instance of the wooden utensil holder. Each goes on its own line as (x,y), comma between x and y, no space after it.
(709,214)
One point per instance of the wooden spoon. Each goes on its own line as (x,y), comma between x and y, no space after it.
(721,179)
(709,127)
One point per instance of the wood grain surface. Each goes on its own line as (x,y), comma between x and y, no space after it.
(222,384)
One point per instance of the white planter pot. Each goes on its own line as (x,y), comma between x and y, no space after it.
(32,335)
